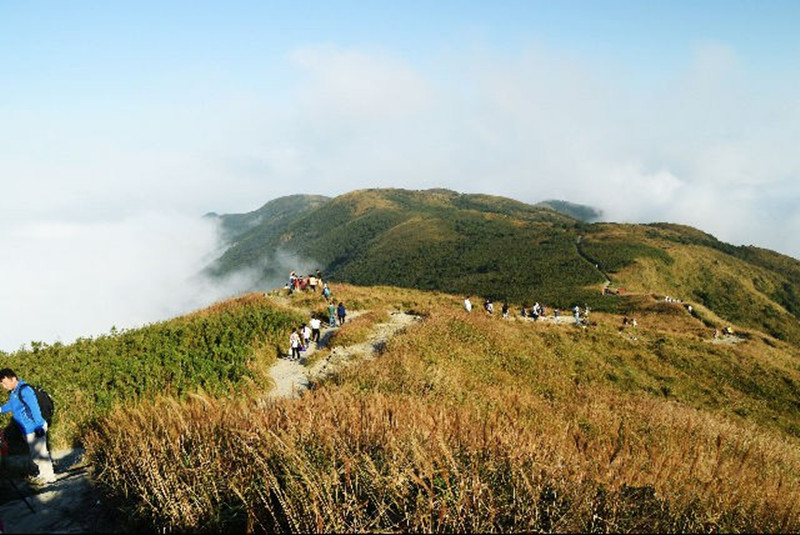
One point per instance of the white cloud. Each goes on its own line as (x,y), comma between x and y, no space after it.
(353,85)
(62,279)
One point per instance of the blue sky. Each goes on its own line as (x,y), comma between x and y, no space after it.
(117,117)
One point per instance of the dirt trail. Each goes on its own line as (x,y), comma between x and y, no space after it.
(292,378)
(73,505)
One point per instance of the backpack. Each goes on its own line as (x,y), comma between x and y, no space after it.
(46,405)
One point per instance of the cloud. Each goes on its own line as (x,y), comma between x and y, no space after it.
(63,279)
(353,85)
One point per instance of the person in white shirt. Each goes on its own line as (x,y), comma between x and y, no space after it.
(315,324)
(467,304)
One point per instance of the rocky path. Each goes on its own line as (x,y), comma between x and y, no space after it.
(71,505)
(293,378)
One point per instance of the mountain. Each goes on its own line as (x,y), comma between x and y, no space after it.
(499,248)
(580,212)
(272,215)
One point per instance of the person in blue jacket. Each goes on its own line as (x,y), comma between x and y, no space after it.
(341,313)
(24,407)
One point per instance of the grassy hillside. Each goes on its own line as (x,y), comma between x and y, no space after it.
(752,287)
(475,423)
(275,213)
(434,239)
(496,247)
(217,350)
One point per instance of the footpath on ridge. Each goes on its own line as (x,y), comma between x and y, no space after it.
(73,505)
(292,378)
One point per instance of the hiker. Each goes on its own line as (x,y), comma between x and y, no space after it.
(341,313)
(326,292)
(306,332)
(24,406)
(577,311)
(312,283)
(505,309)
(315,325)
(294,343)
(467,304)
(331,314)
(488,306)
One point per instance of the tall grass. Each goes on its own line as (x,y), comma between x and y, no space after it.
(463,424)
(341,462)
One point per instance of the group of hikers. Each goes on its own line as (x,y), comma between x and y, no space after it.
(535,312)
(580,315)
(301,338)
(308,283)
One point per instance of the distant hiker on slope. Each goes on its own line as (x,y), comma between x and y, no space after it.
(467,304)
(294,344)
(331,314)
(25,409)
(341,313)
(315,325)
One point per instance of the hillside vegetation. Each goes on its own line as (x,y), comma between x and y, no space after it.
(495,247)
(213,350)
(475,423)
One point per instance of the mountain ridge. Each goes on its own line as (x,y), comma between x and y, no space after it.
(501,248)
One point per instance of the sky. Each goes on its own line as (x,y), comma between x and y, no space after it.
(122,123)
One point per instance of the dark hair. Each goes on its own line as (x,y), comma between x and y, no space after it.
(7,372)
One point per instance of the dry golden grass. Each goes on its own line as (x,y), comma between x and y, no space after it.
(343,462)
(470,423)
